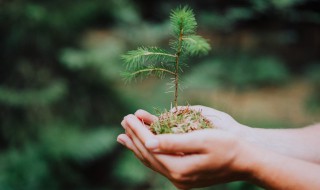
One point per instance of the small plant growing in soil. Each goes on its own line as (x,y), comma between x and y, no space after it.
(146,61)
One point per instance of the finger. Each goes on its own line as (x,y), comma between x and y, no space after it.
(183,164)
(140,147)
(127,142)
(146,117)
(147,157)
(135,140)
(177,143)
(131,144)
(141,153)
(138,128)
(124,124)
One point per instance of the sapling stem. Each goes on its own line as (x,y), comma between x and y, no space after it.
(176,80)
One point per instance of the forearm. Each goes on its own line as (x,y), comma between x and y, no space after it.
(302,143)
(275,171)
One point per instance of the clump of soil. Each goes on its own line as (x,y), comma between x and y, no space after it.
(180,121)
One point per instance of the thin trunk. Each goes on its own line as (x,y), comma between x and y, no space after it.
(176,78)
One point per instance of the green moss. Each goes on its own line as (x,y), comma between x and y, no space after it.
(180,121)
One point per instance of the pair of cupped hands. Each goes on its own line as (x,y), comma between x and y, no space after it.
(197,159)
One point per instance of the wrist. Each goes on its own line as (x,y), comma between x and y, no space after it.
(251,162)
(252,136)
(242,164)
(243,132)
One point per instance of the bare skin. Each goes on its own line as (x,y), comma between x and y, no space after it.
(227,153)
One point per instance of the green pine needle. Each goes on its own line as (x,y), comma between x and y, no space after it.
(152,55)
(146,61)
(196,45)
(145,72)
(183,18)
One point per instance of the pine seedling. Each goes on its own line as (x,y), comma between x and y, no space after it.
(146,61)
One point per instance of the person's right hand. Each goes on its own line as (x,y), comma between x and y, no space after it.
(220,120)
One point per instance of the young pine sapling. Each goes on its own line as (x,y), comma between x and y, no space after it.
(147,61)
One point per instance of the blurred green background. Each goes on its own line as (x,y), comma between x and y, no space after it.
(62,97)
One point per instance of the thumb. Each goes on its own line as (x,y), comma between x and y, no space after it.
(176,143)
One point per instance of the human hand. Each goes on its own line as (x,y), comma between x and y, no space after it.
(220,120)
(196,159)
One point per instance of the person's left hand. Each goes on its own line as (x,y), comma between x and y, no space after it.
(197,159)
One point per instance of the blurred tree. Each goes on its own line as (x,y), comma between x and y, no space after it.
(313,75)
(56,122)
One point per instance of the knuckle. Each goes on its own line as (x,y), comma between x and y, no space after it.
(166,144)
(144,155)
(180,186)
(178,176)
(223,115)
(206,142)
(146,163)
(227,116)
(140,157)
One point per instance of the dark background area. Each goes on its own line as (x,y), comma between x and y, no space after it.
(62,97)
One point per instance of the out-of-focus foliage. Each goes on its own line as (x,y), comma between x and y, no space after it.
(62,97)
(243,72)
(59,113)
(313,74)
(103,58)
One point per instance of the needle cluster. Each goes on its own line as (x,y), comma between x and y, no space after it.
(146,61)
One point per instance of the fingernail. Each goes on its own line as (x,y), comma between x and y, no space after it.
(139,110)
(152,143)
(130,116)
(123,124)
(121,141)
